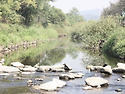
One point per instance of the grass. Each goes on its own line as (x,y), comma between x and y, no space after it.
(16,34)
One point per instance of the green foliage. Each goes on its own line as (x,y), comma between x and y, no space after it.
(17,34)
(92,32)
(115,8)
(115,45)
(73,17)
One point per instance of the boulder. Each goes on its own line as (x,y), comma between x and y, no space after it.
(4,74)
(118,70)
(70,76)
(51,85)
(123,76)
(2,61)
(67,67)
(121,65)
(98,68)
(27,73)
(8,69)
(89,67)
(96,81)
(43,68)
(118,90)
(28,69)
(17,64)
(77,75)
(87,88)
(57,67)
(58,70)
(94,68)
(66,77)
(106,70)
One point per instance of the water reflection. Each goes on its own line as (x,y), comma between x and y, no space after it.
(53,56)
(52,52)
(57,52)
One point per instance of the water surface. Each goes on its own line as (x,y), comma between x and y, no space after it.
(55,53)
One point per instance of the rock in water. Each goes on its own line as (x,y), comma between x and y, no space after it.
(67,67)
(51,85)
(95,81)
(118,90)
(17,64)
(106,70)
(121,65)
(87,88)
(70,76)
(8,69)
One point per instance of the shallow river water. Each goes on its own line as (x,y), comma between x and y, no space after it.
(56,53)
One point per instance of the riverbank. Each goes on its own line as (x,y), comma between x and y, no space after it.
(16,34)
(104,35)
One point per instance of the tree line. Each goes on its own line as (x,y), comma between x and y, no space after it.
(28,12)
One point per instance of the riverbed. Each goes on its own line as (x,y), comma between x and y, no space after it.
(56,53)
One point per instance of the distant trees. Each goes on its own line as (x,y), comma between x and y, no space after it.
(115,8)
(73,16)
(27,12)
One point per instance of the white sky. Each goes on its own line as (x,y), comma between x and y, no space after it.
(81,5)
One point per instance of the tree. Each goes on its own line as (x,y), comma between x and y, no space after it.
(114,8)
(73,16)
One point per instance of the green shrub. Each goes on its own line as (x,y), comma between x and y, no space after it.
(115,45)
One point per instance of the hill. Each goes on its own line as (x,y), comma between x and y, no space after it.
(92,14)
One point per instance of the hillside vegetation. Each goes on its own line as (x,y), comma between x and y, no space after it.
(107,34)
(29,20)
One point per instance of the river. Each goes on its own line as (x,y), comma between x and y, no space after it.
(56,53)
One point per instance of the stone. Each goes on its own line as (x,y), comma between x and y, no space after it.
(43,68)
(29,81)
(96,68)
(106,70)
(38,79)
(67,67)
(70,76)
(118,79)
(118,70)
(55,67)
(121,65)
(89,67)
(51,85)
(17,64)
(2,61)
(59,83)
(118,90)
(28,69)
(4,74)
(77,75)
(87,88)
(9,69)
(66,77)
(123,76)
(96,81)
(27,73)
(58,70)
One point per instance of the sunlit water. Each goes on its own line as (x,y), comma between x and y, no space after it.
(56,53)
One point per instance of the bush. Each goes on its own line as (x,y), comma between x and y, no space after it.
(115,45)
(94,31)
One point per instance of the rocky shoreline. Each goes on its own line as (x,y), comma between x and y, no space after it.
(65,73)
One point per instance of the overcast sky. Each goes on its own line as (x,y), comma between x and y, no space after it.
(81,5)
